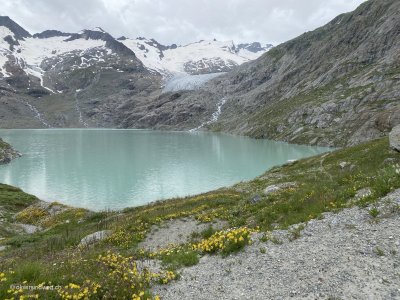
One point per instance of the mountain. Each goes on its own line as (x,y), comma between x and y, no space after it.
(202,57)
(56,79)
(91,79)
(337,85)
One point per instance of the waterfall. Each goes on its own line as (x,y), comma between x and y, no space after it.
(214,116)
(78,110)
(38,115)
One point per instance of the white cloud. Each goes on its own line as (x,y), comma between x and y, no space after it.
(180,21)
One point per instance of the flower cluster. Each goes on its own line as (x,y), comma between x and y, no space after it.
(126,272)
(31,215)
(170,249)
(129,234)
(226,241)
(66,215)
(121,238)
(78,292)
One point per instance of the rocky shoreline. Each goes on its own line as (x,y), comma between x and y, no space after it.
(7,153)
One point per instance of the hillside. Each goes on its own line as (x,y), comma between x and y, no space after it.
(337,85)
(188,247)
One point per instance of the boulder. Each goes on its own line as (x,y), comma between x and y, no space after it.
(94,237)
(29,229)
(277,187)
(7,153)
(363,193)
(255,199)
(394,138)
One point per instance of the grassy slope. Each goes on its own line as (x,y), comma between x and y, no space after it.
(322,185)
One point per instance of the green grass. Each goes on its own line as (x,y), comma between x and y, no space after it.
(378,251)
(176,260)
(322,186)
(295,233)
(374,212)
(205,234)
(13,199)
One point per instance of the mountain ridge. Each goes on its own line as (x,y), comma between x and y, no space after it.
(303,91)
(309,92)
(89,78)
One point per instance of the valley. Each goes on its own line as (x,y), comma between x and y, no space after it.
(325,226)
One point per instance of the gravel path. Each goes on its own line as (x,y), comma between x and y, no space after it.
(347,255)
(177,231)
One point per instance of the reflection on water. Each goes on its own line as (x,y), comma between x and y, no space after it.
(100,169)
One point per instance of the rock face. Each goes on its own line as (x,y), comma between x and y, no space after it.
(7,153)
(19,32)
(94,237)
(394,138)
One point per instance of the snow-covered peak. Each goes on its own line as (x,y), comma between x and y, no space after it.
(34,50)
(18,32)
(39,53)
(202,57)
(4,31)
(99,29)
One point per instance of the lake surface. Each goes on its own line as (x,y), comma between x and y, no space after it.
(113,169)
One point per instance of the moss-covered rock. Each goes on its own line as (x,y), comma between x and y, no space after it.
(7,153)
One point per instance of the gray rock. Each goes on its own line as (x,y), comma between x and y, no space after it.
(394,138)
(2,248)
(94,237)
(7,153)
(255,199)
(363,193)
(344,164)
(389,160)
(29,229)
(277,187)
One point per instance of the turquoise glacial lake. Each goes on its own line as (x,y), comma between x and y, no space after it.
(113,169)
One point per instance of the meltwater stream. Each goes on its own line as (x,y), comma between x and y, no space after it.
(113,169)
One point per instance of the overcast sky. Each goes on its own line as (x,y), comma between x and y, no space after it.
(180,21)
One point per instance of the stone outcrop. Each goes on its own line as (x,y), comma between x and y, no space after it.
(394,138)
(94,237)
(7,153)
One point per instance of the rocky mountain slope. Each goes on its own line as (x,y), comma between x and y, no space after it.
(56,79)
(90,79)
(7,153)
(337,85)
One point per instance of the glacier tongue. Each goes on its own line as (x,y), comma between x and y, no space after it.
(188,82)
